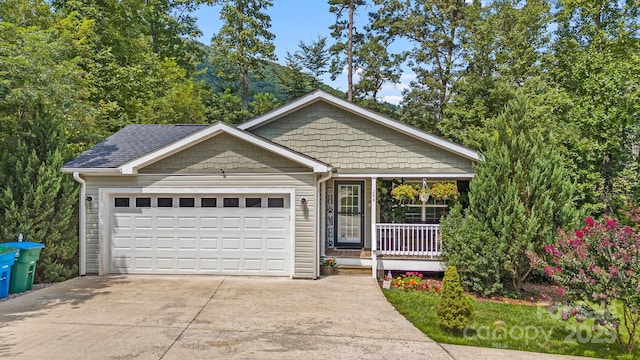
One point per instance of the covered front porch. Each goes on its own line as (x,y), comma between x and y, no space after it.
(358,232)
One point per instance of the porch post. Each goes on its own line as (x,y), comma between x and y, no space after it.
(322,218)
(374,220)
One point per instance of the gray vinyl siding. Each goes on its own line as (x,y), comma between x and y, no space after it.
(305,245)
(223,152)
(352,143)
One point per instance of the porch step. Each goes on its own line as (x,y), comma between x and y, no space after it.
(349,253)
(354,270)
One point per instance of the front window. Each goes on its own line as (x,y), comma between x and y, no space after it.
(428,213)
(417,201)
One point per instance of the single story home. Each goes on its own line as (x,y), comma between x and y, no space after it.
(271,196)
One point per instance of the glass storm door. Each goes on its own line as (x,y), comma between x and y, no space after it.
(350,214)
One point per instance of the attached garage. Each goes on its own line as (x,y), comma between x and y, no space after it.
(208,233)
(197,199)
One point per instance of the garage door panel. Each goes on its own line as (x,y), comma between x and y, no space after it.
(165,243)
(122,242)
(186,243)
(121,263)
(143,242)
(275,265)
(253,244)
(186,223)
(231,223)
(276,244)
(212,240)
(253,264)
(209,264)
(253,223)
(207,243)
(208,223)
(188,264)
(276,223)
(230,244)
(122,222)
(143,223)
(165,223)
(143,263)
(230,264)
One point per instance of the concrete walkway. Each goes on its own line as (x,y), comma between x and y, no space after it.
(211,317)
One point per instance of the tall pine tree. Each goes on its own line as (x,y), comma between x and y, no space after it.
(244,40)
(521,191)
(39,201)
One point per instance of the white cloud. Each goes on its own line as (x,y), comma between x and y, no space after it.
(392,99)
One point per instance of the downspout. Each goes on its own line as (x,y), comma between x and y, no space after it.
(318,210)
(82,231)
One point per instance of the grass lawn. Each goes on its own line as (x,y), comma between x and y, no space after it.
(509,326)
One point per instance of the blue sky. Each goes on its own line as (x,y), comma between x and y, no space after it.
(292,21)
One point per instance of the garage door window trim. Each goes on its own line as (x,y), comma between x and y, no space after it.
(165,202)
(208,202)
(187,202)
(123,202)
(143,202)
(275,202)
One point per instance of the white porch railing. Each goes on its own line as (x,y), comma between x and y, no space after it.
(408,240)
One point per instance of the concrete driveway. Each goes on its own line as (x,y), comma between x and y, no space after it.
(211,317)
(208,317)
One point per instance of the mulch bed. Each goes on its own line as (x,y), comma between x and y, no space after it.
(533,295)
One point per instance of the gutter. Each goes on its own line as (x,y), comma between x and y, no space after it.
(318,210)
(82,231)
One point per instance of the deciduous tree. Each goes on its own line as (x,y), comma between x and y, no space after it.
(597,268)
(598,65)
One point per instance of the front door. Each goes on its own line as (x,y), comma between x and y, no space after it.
(350,214)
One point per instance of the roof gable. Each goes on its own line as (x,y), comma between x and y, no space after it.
(223,153)
(163,148)
(320,95)
(351,143)
(130,142)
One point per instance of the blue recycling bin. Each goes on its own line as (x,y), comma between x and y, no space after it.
(24,267)
(7,258)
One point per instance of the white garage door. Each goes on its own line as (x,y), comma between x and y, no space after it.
(193,234)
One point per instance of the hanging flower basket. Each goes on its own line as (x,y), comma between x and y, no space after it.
(404,193)
(444,191)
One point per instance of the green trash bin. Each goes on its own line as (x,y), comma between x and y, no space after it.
(24,267)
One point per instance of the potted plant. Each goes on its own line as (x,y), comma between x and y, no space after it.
(328,266)
(424,194)
(404,193)
(444,191)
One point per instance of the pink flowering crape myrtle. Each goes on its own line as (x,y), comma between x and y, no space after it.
(594,267)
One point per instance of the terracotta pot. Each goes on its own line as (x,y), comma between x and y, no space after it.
(326,271)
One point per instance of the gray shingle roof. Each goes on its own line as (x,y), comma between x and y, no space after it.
(130,143)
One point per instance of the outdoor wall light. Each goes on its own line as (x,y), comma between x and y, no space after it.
(303,201)
(89,198)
